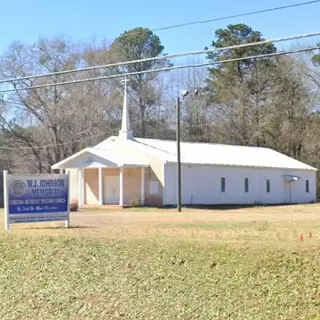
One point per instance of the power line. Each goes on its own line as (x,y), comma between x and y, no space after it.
(55,144)
(220,18)
(46,146)
(118,64)
(236,15)
(280,53)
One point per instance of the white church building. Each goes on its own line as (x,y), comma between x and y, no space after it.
(124,170)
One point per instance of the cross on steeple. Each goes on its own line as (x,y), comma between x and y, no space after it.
(125,131)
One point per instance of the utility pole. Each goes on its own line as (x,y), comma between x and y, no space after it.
(179,186)
(178,156)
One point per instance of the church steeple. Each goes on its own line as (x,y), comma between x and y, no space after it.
(125,131)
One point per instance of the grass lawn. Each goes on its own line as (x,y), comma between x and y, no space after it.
(159,264)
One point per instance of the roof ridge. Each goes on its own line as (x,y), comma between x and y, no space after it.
(98,148)
(153,147)
(205,143)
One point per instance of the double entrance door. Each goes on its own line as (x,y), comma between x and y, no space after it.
(111,190)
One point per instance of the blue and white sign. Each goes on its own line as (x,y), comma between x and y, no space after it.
(36,198)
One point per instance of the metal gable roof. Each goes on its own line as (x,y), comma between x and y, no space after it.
(117,150)
(218,154)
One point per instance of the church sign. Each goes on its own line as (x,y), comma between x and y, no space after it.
(36,198)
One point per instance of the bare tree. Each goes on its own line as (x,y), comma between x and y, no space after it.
(63,118)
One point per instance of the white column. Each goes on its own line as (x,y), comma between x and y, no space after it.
(142,186)
(82,187)
(61,171)
(79,187)
(121,187)
(100,187)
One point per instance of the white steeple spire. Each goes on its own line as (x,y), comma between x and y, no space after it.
(125,131)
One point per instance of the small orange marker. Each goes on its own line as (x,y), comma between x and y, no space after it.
(310,234)
(301,237)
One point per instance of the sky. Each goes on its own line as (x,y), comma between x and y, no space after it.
(83,20)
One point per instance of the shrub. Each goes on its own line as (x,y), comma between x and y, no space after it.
(136,203)
(74,206)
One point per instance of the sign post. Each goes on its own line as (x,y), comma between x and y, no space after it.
(67,223)
(5,200)
(36,198)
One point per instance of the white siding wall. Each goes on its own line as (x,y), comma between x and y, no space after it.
(202,185)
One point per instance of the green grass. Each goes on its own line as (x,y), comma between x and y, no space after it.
(72,274)
(56,278)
